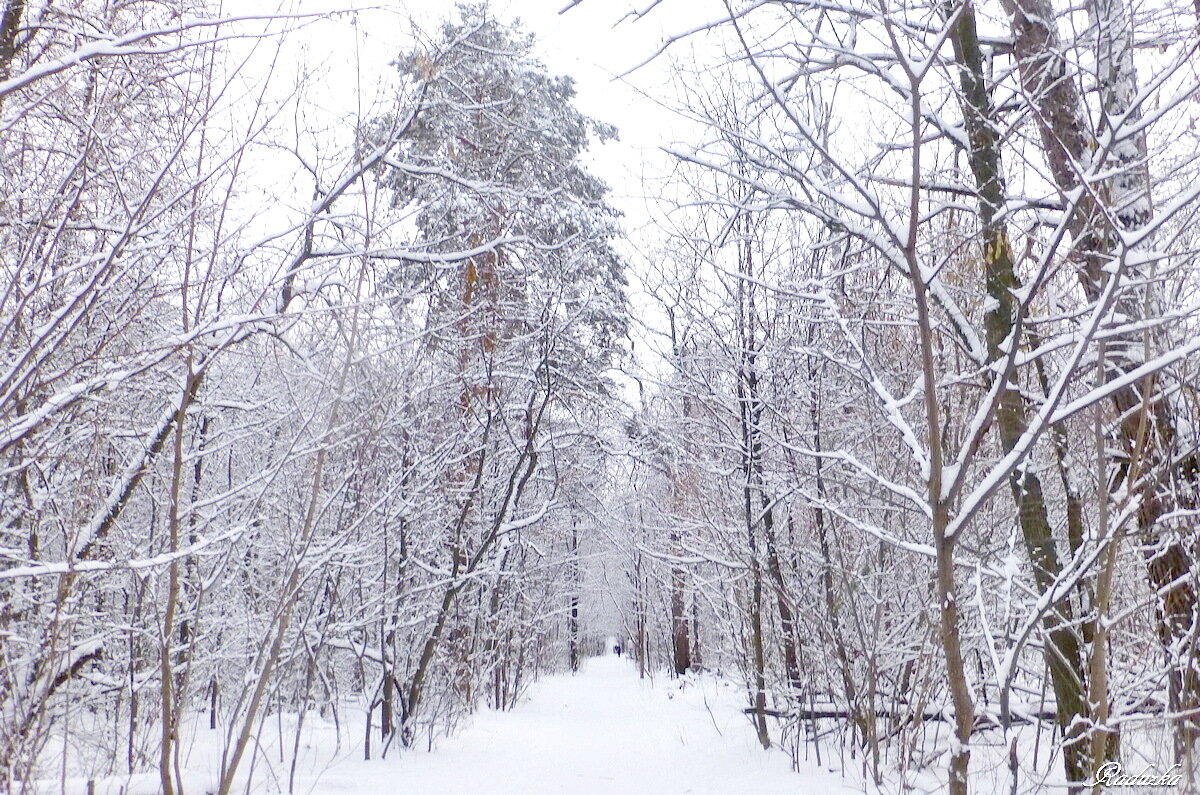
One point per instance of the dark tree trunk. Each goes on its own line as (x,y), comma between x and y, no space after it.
(1002,321)
(573,608)
(681,655)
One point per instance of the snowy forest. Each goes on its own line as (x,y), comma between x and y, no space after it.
(344,412)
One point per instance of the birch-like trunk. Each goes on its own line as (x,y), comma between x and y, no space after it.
(1169,478)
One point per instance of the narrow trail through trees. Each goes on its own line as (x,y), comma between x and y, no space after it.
(603,730)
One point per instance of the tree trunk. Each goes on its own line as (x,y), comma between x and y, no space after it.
(696,661)
(10,23)
(573,603)
(1170,556)
(1002,327)
(755,504)
(789,640)
(680,648)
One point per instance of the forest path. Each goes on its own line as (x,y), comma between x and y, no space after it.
(603,730)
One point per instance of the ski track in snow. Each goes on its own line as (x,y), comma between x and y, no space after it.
(601,731)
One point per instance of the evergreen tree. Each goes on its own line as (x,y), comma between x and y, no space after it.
(493,166)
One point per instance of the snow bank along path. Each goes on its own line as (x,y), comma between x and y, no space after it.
(603,730)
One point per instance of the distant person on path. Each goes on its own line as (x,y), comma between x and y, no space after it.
(617,650)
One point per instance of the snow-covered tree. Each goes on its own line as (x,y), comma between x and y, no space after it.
(522,297)
(493,165)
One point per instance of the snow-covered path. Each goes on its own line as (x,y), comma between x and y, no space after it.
(601,731)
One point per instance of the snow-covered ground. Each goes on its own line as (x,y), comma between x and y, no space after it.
(603,730)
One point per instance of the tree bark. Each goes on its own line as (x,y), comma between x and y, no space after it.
(10,23)
(680,647)
(755,505)
(573,603)
(1002,330)
(1167,482)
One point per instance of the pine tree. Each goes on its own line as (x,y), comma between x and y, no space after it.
(493,166)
